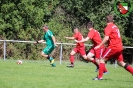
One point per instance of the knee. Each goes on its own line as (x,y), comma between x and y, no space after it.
(122,64)
(102,60)
(85,57)
(97,61)
(89,57)
(72,53)
(42,54)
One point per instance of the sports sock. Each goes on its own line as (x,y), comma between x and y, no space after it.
(72,59)
(129,68)
(48,57)
(94,62)
(101,70)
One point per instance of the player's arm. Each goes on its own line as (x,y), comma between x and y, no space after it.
(106,38)
(83,40)
(40,41)
(54,40)
(70,38)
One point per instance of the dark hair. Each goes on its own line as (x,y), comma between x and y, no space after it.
(74,28)
(89,25)
(109,18)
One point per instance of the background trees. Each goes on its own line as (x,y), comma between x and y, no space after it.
(22,20)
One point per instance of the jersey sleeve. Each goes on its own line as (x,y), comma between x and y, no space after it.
(107,31)
(50,34)
(90,34)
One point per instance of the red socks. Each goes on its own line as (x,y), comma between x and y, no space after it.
(129,68)
(72,59)
(101,70)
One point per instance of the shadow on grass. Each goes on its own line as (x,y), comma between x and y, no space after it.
(103,80)
(46,65)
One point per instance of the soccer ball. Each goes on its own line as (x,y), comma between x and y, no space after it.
(19,62)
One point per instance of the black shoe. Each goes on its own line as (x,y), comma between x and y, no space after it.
(97,78)
(70,66)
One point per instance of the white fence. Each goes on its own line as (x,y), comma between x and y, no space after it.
(61,46)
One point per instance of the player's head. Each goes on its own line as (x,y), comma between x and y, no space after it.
(45,28)
(75,29)
(89,25)
(109,19)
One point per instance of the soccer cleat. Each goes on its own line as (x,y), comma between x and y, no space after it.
(97,78)
(106,72)
(53,65)
(70,66)
(51,60)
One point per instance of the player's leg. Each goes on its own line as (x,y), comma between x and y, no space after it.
(51,58)
(123,64)
(44,55)
(98,54)
(73,52)
(46,51)
(106,55)
(91,58)
(82,52)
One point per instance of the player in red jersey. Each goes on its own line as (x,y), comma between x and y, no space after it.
(114,49)
(80,48)
(95,37)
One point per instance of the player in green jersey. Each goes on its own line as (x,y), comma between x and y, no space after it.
(50,44)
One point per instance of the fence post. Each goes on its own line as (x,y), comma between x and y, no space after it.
(4,50)
(60,53)
(115,63)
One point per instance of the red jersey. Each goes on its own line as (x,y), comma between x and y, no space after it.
(78,36)
(95,37)
(112,31)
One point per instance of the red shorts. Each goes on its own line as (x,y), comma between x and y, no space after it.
(80,50)
(97,52)
(113,53)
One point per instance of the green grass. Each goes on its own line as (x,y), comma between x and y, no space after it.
(39,74)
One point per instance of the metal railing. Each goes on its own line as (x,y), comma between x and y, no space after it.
(61,47)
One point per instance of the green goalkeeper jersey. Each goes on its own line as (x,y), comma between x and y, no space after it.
(48,38)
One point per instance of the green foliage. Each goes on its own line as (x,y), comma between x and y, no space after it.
(23,20)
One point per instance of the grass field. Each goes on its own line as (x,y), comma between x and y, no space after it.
(39,74)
